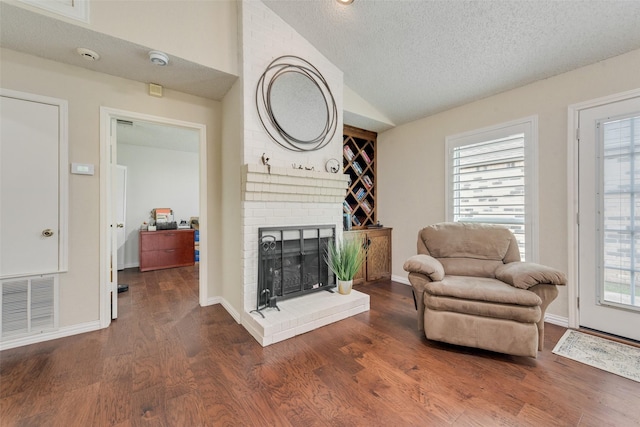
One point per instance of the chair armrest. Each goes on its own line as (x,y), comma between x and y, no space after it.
(425,264)
(524,275)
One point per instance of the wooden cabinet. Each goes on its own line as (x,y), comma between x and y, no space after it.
(378,263)
(359,152)
(166,249)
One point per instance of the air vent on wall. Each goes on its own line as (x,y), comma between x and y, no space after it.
(28,305)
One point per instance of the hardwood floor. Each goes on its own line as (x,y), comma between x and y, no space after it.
(168,362)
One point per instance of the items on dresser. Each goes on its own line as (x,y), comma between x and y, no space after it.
(162,215)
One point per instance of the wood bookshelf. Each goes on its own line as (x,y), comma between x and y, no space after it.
(359,153)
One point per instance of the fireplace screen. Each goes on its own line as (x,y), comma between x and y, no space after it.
(291,262)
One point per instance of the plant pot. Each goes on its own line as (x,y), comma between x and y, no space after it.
(344,286)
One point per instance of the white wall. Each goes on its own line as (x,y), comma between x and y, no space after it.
(411,157)
(359,113)
(87,91)
(231,262)
(200,31)
(157,178)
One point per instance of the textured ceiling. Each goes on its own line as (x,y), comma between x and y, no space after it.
(413,58)
(50,38)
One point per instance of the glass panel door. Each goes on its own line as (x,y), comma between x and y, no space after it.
(620,216)
(609,218)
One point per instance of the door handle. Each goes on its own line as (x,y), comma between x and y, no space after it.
(120,225)
(47,232)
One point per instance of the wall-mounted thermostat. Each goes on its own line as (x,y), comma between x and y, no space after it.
(82,168)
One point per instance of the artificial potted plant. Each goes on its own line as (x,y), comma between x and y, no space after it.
(345,258)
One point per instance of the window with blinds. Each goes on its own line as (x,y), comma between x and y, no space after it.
(488,180)
(619,174)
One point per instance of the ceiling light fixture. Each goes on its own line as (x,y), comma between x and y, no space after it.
(345,2)
(158,58)
(88,54)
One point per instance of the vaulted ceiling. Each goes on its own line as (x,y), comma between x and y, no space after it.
(413,58)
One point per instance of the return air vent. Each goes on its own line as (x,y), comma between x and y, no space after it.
(28,305)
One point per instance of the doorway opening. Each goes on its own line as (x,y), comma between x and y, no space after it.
(132,139)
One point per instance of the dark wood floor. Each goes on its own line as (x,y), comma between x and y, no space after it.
(168,362)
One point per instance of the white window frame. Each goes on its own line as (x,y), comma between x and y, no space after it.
(528,126)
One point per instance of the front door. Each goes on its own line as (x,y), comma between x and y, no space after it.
(609,218)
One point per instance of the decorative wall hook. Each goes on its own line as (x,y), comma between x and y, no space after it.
(265,161)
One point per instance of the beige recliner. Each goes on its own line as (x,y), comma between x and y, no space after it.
(471,289)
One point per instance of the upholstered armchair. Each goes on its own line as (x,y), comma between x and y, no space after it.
(471,289)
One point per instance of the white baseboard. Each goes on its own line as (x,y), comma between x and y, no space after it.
(232,311)
(66,331)
(400,279)
(214,301)
(556,320)
(219,300)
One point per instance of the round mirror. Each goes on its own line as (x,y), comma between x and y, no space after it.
(295,105)
(298,106)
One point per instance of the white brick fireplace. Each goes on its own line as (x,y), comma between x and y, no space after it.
(285,195)
(279,196)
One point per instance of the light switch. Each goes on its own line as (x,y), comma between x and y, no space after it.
(82,168)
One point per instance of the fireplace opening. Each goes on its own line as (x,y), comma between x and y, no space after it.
(291,263)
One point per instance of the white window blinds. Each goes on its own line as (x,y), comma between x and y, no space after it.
(487,176)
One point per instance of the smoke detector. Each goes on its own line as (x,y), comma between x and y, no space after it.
(158,58)
(88,54)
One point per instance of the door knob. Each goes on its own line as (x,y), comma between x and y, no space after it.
(47,232)
(120,225)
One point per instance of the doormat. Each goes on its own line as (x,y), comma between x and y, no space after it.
(601,353)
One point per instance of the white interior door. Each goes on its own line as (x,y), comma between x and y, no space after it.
(30,226)
(121,213)
(112,219)
(609,212)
